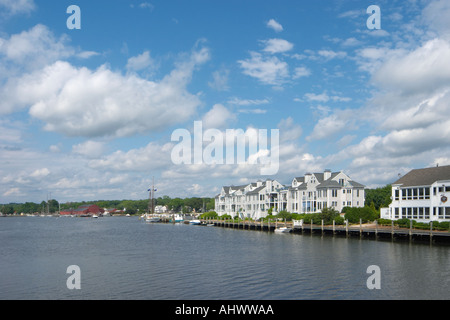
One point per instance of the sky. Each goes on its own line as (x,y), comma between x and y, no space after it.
(89,113)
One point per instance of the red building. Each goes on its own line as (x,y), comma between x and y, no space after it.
(85,210)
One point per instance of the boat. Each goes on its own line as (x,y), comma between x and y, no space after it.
(178,218)
(94,216)
(283,230)
(152,219)
(195,222)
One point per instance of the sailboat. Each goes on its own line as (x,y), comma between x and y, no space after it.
(149,217)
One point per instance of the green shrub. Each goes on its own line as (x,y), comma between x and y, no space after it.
(384,222)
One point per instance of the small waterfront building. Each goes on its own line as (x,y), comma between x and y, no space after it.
(421,195)
(308,194)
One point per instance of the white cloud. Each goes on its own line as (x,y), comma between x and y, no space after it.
(253,111)
(82,102)
(301,72)
(220,80)
(268,70)
(274,25)
(425,69)
(40,173)
(140,62)
(289,131)
(247,102)
(17,6)
(218,117)
(277,45)
(330,54)
(151,157)
(324,97)
(35,48)
(89,149)
(437,15)
(327,127)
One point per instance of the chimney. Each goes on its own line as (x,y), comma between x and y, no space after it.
(327,174)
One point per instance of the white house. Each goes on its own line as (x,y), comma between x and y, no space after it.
(308,194)
(421,195)
(316,191)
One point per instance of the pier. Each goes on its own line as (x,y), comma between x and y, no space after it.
(372,231)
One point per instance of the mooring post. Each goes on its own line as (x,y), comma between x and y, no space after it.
(376,229)
(334,226)
(410,230)
(360,227)
(431,231)
(346,228)
(322,227)
(392,229)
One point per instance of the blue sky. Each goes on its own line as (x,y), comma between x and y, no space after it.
(88,114)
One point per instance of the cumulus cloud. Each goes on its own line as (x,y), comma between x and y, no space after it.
(94,103)
(218,117)
(90,149)
(140,62)
(277,45)
(268,70)
(34,48)
(274,25)
(424,69)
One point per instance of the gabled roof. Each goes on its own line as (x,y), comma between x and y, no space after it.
(329,184)
(424,177)
(257,190)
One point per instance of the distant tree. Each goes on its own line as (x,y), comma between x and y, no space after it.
(7,209)
(380,197)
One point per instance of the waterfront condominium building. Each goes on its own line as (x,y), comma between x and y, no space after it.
(308,194)
(421,195)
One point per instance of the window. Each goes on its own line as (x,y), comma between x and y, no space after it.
(396,212)
(357,193)
(397,194)
(421,193)
(334,193)
(409,193)
(427,193)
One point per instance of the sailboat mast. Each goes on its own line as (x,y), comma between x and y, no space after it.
(151,204)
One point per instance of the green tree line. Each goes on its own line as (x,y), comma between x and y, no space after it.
(185,205)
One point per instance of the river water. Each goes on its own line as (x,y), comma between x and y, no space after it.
(125,258)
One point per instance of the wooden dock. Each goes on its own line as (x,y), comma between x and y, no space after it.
(362,231)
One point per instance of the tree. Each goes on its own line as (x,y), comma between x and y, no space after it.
(328,215)
(283,214)
(8,209)
(381,197)
(365,214)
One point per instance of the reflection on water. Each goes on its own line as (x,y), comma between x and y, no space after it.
(124,258)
